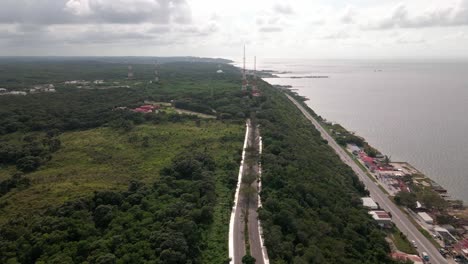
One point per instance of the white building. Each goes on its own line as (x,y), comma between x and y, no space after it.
(3,90)
(17,93)
(426,218)
(369,203)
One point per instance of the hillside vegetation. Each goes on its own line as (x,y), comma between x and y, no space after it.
(82,182)
(312,210)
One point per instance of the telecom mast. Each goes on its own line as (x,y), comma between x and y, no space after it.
(130,72)
(254,85)
(255,91)
(244,76)
(156,73)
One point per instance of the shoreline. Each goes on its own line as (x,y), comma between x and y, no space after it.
(294,91)
(440,218)
(291,90)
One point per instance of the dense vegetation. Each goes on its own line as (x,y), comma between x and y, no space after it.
(162,223)
(120,187)
(311,211)
(83,182)
(190,85)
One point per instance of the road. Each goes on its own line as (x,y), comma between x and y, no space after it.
(246,201)
(400,219)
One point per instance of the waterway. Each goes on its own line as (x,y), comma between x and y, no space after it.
(414,111)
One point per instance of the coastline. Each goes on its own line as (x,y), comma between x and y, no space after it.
(292,91)
(438,217)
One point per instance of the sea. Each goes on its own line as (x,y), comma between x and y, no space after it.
(411,110)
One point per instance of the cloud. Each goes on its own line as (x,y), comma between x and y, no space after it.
(49,12)
(348,16)
(456,15)
(283,9)
(336,35)
(269,29)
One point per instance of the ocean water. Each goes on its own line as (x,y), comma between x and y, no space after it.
(414,111)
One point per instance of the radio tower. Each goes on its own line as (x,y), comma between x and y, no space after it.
(156,73)
(255,91)
(130,72)
(254,85)
(244,77)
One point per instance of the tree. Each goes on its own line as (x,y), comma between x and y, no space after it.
(106,259)
(407,199)
(28,163)
(103,215)
(248,259)
(432,200)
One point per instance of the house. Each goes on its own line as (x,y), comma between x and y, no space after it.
(461,248)
(446,236)
(146,109)
(369,203)
(3,90)
(142,110)
(150,107)
(382,218)
(46,88)
(17,93)
(354,149)
(407,257)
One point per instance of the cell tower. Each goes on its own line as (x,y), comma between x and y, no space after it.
(244,76)
(156,73)
(255,91)
(130,72)
(254,85)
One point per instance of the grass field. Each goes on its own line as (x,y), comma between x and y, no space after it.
(106,159)
(401,242)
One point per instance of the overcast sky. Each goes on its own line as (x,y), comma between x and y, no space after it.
(269,28)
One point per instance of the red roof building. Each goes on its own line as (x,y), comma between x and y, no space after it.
(142,110)
(405,257)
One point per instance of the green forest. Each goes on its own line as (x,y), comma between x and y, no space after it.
(82,182)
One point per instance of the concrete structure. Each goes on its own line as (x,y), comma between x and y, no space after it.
(354,149)
(426,218)
(393,174)
(445,235)
(381,217)
(369,203)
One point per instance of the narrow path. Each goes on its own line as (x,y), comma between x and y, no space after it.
(398,217)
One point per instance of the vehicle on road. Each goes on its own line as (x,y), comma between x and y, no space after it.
(414,244)
(425,256)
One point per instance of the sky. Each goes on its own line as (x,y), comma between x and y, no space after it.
(271,29)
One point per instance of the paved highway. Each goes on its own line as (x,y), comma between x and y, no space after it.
(399,218)
(246,201)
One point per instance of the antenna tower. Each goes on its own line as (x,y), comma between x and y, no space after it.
(130,72)
(244,77)
(156,73)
